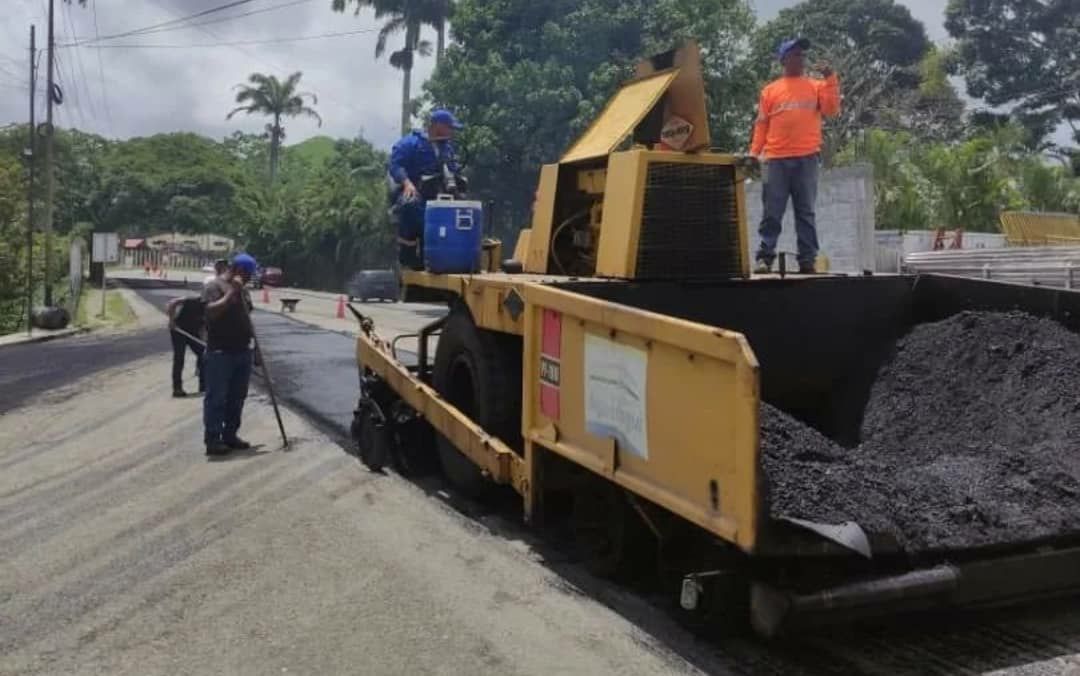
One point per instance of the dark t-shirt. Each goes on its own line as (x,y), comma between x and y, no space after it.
(231,330)
(190,315)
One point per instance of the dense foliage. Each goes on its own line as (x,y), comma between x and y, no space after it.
(322,218)
(1021,54)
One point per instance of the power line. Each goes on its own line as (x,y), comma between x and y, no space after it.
(235,43)
(71,93)
(208,22)
(101,72)
(79,63)
(183,19)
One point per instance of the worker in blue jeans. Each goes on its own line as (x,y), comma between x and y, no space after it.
(418,155)
(228,360)
(787,139)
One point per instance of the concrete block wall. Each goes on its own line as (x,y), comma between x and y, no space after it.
(845,219)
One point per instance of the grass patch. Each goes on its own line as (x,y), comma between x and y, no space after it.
(117,311)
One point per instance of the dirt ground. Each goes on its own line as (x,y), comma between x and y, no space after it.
(127,552)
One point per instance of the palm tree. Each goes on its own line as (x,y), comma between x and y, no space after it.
(438,14)
(408,17)
(266,95)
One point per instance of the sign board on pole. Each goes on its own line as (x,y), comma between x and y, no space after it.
(106,248)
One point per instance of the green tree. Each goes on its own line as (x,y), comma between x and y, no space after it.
(266,95)
(1021,53)
(527,77)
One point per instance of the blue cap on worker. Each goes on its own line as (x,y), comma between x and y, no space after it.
(444,116)
(245,262)
(788,45)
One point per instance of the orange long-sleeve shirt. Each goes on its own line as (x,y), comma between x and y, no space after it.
(789,116)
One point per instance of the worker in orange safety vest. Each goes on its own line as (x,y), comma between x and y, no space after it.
(787,140)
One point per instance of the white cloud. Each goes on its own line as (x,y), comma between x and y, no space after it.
(157,90)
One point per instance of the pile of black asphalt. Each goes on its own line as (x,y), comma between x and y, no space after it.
(970,438)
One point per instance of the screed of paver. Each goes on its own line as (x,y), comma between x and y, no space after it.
(130,553)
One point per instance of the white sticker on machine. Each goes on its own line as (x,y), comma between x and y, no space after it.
(615,393)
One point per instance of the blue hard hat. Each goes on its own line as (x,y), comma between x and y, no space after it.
(788,45)
(245,262)
(444,116)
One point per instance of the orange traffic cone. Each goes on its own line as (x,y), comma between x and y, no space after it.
(341,307)
(266,295)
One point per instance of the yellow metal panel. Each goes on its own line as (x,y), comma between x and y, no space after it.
(686,95)
(592,181)
(620,228)
(1030,228)
(542,225)
(623,112)
(521,249)
(485,298)
(701,403)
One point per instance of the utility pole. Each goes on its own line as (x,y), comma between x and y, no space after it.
(50,177)
(31,156)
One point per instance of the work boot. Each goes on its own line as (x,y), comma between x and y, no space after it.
(178,393)
(806,269)
(238,444)
(763,267)
(217,448)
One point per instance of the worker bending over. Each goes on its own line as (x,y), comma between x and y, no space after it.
(416,167)
(228,360)
(186,327)
(787,139)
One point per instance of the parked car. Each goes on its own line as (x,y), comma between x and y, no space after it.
(270,276)
(373,284)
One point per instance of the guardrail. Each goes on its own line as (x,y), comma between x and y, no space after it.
(1054,266)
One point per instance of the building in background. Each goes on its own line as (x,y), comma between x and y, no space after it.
(176,250)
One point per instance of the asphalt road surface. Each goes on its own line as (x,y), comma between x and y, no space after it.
(125,551)
(122,550)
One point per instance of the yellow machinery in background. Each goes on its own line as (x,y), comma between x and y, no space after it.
(613,377)
(1030,228)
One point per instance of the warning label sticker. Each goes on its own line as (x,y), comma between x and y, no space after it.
(615,388)
(676,132)
(550,364)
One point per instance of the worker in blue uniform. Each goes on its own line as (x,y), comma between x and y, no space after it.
(418,163)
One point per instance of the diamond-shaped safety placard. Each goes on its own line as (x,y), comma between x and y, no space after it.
(514,304)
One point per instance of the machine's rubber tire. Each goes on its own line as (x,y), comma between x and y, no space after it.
(414,448)
(374,442)
(610,537)
(479,372)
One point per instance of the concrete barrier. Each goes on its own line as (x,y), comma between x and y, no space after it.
(845,219)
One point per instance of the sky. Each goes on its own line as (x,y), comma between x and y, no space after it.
(125,91)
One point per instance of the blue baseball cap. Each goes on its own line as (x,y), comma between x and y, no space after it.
(444,116)
(245,262)
(788,45)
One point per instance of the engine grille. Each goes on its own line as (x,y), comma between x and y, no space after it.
(689,223)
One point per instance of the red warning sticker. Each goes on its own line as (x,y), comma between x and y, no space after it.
(550,363)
